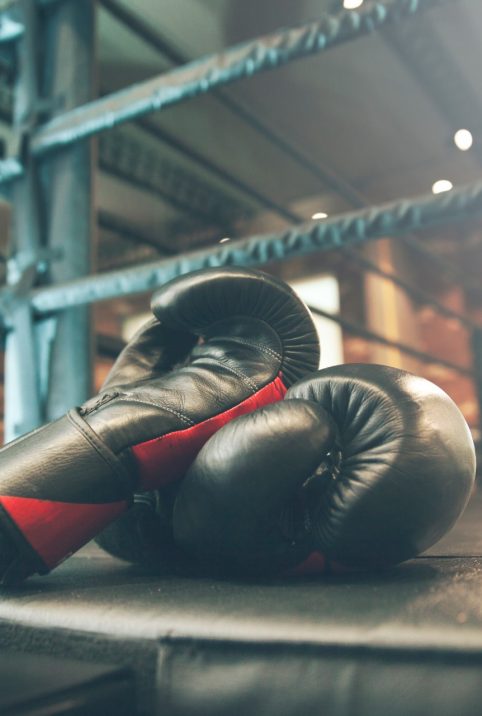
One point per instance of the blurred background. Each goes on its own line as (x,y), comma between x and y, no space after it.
(393,114)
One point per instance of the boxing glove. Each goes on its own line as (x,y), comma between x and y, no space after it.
(360,466)
(61,484)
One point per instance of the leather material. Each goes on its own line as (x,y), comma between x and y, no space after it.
(241,505)
(191,303)
(143,533)
(211,355)
(63,463)
(15,551)
(47,476)
(380,471)
(34,684)
(152,351)
(407,464)
(222,372)
(178,449)
(257,339)
(265,648)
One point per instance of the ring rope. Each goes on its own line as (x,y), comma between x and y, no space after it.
(390,219)
(205,74)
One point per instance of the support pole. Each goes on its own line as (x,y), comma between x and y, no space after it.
(67,184)
(23,410)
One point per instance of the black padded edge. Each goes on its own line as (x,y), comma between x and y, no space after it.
(18,560)
(199,300)
(64,461)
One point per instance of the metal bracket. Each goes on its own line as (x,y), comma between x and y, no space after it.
(21,282)
(17,272)
(10,169)
(10,29)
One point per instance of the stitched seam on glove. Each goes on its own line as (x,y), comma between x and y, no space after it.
(102,400)
(264,349)
(242,317)
(251,385)
(159,406)
(108,457)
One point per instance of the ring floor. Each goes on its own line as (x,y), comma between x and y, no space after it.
(405,642)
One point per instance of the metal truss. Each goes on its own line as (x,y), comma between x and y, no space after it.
(131,161)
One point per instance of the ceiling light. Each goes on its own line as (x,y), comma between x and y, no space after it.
(319,215)
(442,185)
(463,139)
(226,238)
(352,4)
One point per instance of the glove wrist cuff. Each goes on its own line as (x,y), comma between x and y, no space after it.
(60,486)
(102,457)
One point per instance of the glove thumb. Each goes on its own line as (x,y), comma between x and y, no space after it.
(239,505)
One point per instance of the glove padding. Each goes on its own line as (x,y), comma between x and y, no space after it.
(361,466)
(62,484)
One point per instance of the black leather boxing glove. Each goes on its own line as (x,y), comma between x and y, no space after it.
(61,484)
(361,466)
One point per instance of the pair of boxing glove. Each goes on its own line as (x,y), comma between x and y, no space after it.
(358,466)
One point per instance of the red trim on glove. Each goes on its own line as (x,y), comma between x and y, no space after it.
(57,529)
(165,459)
(315,563)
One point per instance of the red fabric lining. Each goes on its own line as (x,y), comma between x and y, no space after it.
(165,459)
(57,529)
